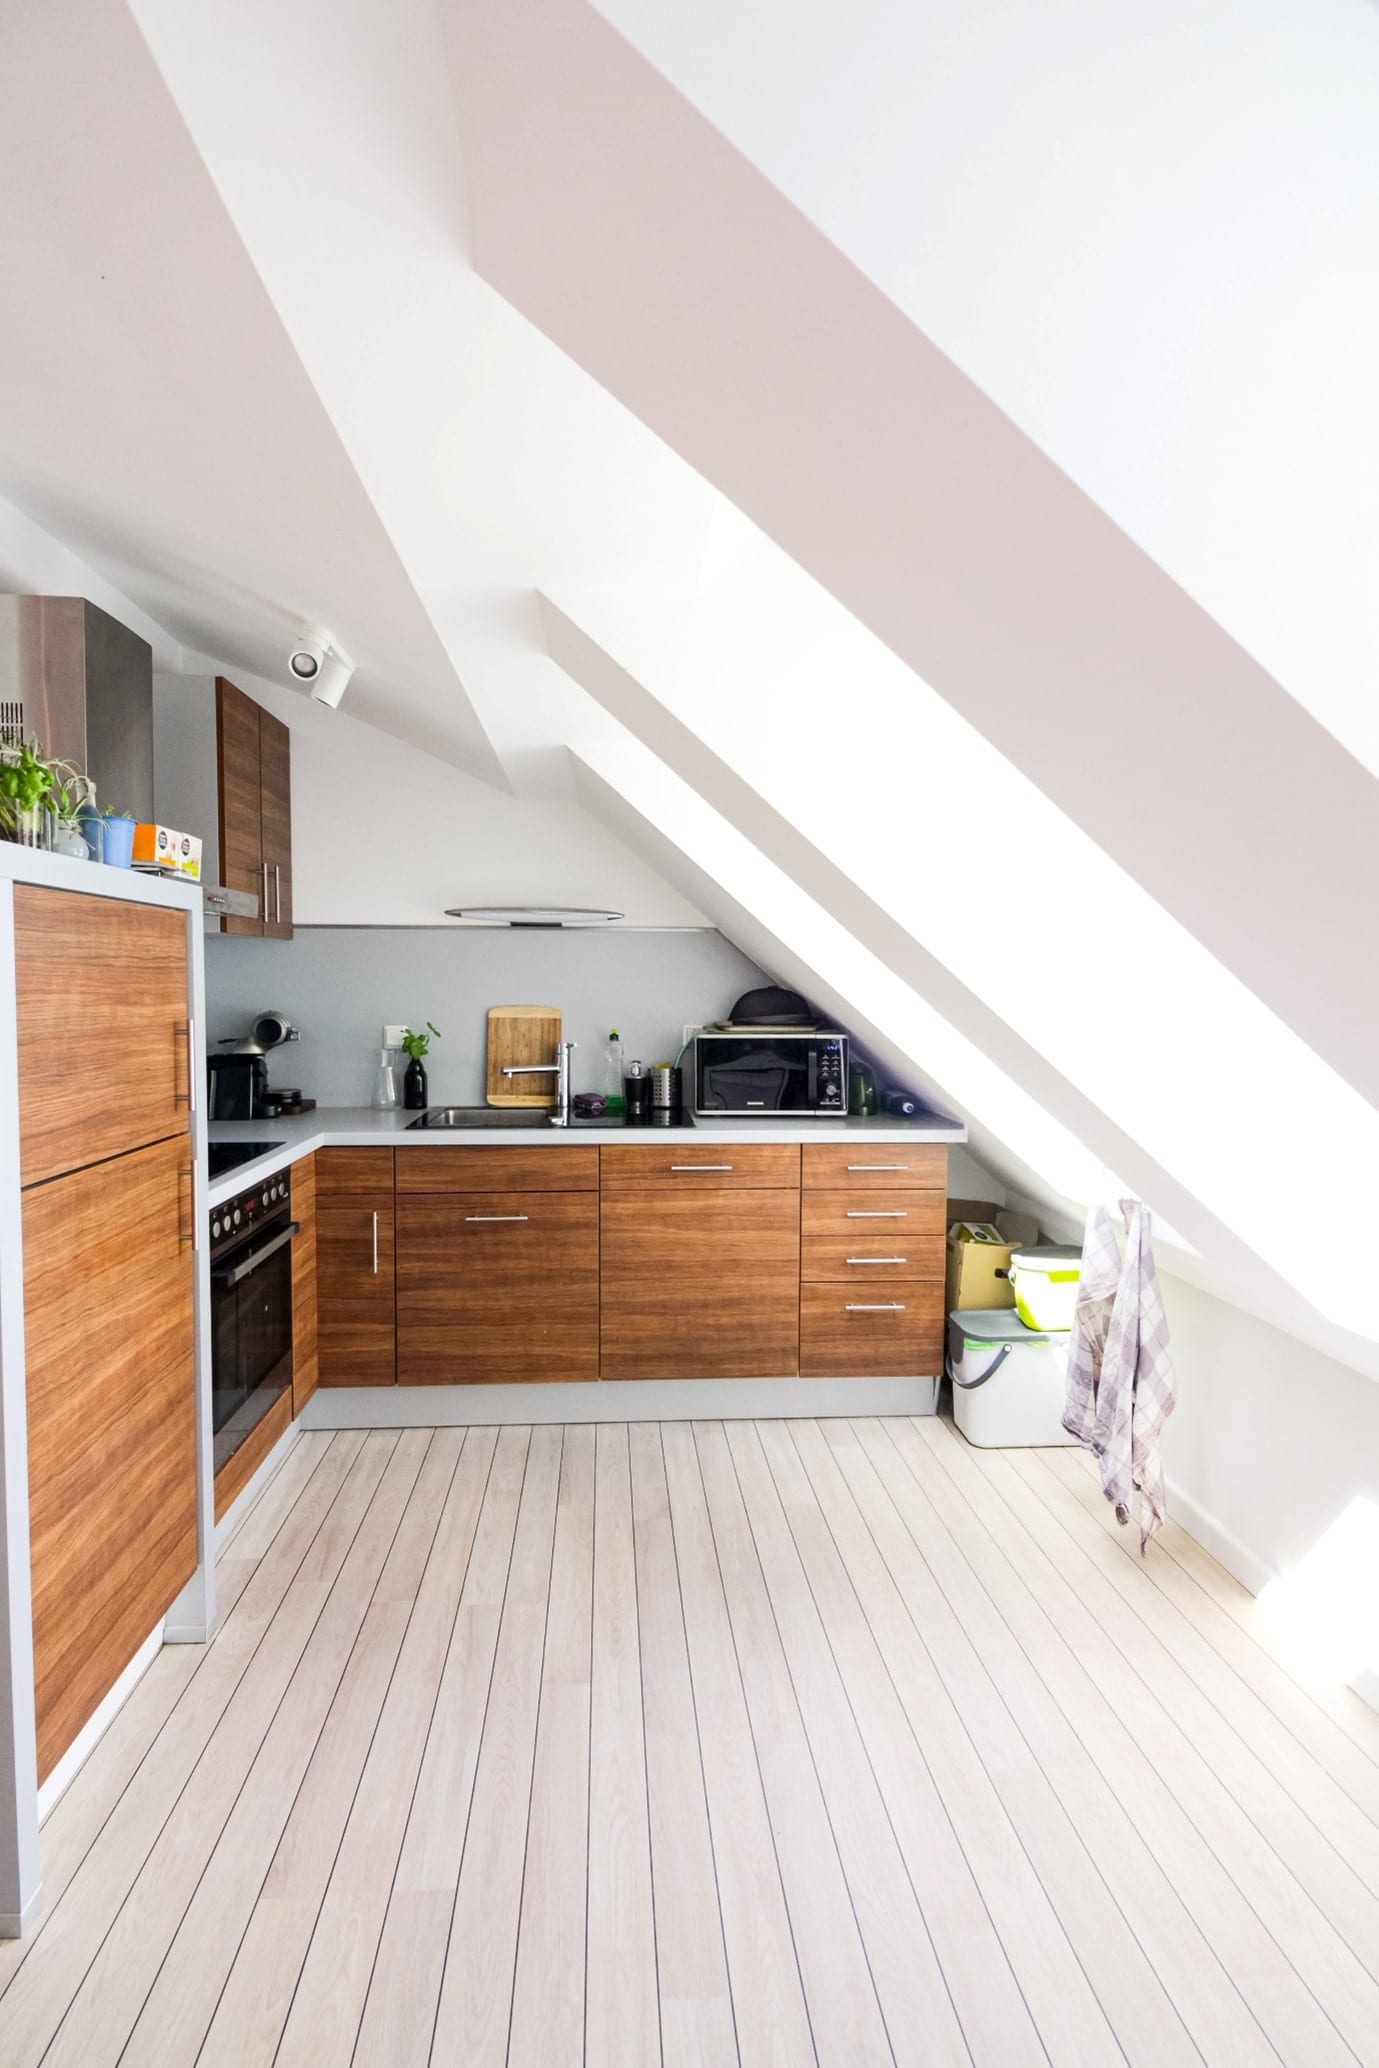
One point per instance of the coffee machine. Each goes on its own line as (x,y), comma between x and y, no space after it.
(238,1078)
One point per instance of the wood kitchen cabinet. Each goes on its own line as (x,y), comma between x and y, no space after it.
(109,1353)
(255,810)
(117,971)
(496,1287)
(356,1312)
(700,1268)
(873,1222)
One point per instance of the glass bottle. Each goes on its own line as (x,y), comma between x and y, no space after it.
(614,1097)
(384,1081)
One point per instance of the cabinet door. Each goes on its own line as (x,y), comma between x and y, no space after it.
(104,1045)
(496,1287)
(275,814)
(355,1304)
(241,807)
(699,1284)
(852,1331)
(305,1363)
(111,1422)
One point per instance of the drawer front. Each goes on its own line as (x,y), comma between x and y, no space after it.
(872,1258)
(704,1167)
(498,1167)
(351,1174)
(875,1220)
(885,1167)
(871,1332)
(497,1287)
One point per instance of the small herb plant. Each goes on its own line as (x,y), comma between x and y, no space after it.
(26,783)
(418,1045)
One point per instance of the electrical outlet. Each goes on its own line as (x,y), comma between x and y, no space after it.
(392,1036)
(690,1033)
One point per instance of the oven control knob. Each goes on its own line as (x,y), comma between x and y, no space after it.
(238,1216)
(215,1231)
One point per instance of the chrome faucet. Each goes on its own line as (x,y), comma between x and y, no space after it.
(560,1070)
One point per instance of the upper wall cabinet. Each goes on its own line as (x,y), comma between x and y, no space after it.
(222,769)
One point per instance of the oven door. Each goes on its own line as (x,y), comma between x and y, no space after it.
(752,1073)
(251,1332)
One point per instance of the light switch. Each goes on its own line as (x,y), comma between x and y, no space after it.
(392,1036)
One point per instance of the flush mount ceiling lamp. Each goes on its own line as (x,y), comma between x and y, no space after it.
(322,666)
(531,915)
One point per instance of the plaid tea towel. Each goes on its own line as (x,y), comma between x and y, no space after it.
(1131,1371)
(1096,1296)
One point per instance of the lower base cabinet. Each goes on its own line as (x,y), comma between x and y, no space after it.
(109,1355)
(497,1287)
(871,1331)
(700,1284)
(356,1316)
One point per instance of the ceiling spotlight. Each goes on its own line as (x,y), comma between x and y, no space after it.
(323,667)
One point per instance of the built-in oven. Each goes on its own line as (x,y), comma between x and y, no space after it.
(771,1072)
(251,1310)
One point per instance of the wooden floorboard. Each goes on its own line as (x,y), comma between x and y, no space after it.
(710,1746)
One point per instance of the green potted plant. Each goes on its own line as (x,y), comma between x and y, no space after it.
(71,802)
(26,785)
(414,1081)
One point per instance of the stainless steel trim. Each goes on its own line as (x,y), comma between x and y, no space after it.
(191,1065)
(187,1171)
(264,867)
(880,1213)
(375,1245)
(701,1166)
(876,1260)
(878,1166)
(277,896)
(875,1307)
(496,1217)
(239,1272)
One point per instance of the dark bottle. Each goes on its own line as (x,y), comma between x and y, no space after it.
(414,1086)
(637,1089)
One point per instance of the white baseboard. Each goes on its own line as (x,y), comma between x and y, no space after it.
(255,1485)
(92,1731)
(615,1400)
(1225,1547)
(14,1923)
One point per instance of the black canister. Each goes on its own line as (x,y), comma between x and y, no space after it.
(637,1087)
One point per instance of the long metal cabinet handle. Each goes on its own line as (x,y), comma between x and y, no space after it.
(878,1166)
(876,1307)
(277,896)
(191,1065)
(264,867)
(495,1217)
(701,1166)
(887,1213)
(375,1245)
(877,1260)
(187,1171)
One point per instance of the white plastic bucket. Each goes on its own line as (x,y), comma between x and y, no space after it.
(1009,1381)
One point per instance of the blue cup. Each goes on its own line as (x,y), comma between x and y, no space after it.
(109,837)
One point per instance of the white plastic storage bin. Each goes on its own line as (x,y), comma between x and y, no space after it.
(1044,1281)
(1009,1381)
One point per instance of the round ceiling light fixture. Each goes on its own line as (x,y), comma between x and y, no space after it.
(321,666)
(531,915)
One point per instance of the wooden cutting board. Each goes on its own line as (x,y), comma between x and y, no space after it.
(521,1034)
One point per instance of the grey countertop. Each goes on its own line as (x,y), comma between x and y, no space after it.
(358,1127)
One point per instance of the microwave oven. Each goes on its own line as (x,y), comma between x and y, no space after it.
(777,1071)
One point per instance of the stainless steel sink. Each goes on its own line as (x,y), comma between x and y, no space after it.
(482,1116)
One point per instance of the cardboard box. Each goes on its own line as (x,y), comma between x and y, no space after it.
(167,852)
(978,1271)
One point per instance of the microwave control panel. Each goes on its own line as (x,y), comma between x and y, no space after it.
(831,1089)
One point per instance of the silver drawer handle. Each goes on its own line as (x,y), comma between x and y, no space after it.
(375,1244)
(495,1217)
(892,1213)
(878,1166)
(701,1166)
(881,1307)
(878,1260)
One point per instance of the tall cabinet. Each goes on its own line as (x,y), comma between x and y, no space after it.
(222,769)
(105,1067)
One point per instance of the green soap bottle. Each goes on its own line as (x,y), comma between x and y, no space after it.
(614,1097)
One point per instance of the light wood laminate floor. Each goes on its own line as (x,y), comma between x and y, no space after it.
(709,1744)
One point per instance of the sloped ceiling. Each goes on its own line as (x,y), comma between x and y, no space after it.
(479,305)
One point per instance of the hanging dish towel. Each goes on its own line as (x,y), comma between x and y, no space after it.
(1121,1387)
